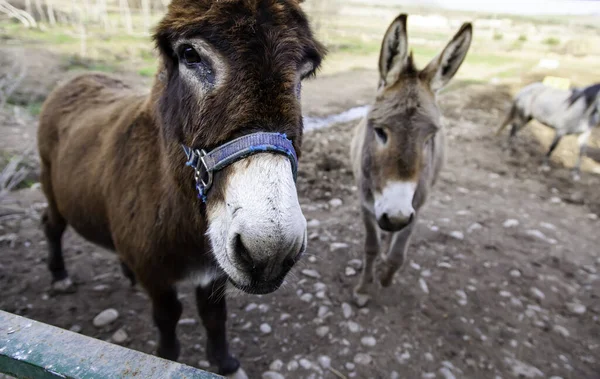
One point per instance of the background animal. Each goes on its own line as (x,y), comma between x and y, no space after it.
(113,167)
(575,111)
(398,148)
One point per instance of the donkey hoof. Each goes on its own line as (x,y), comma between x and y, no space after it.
(386,281)
(65,285)
(360,299)
(169,352)
(239,374)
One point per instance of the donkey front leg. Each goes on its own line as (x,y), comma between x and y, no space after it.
(360,294)
(582,142)
(396,255)
(212,308)
(553,145)
(166,310)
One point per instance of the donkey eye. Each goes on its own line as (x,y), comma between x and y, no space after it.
(189,56)
(381,134)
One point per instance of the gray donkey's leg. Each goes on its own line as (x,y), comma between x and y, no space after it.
(553,145)
(372,240)
(396,255)
(582,142)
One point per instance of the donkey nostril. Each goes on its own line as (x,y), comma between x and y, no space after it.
(242,253)
(385,219)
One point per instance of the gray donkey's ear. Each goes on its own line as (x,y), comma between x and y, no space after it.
(443,67)
(394,50)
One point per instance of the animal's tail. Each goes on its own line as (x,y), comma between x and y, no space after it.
(509,117)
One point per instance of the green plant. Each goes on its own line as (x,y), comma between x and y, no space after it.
(551,41)
(498,36)
(522,38)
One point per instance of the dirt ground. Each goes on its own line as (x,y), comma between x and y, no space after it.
(501,254)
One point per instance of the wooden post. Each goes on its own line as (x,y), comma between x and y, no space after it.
(31,349)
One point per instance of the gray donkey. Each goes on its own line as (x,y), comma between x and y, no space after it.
(398,148)
(574,111)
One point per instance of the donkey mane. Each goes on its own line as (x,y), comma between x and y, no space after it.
(589,93)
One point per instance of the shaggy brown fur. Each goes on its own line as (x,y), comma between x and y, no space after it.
(112,164)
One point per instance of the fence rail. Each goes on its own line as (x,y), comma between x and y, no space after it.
(34,350)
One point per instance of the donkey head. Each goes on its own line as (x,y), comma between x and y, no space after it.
(232,68)
(403,120)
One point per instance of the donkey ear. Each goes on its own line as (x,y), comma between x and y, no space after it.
(394,50)
(443,67)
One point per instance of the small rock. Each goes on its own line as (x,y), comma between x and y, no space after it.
(322,331)
(446,373)
(536,293)
(187,321)
(107,316)
(325,361)
(474,227)
(120,336)
(561,330)
(428,375)
(323,310)
(350,366)
(204,364)
(428,356)
(320,295)
(318,286)
(515,273)
(539,235)
(250,307)
(403,358)
(394,375)
(353,327)
(307,297)
(505,294)
(426,273)
(312,259)
(516,302)
(457,235)
(555,200)
(510,223)
(305,363)
(338,246)
(415,265)
(265,328)
(576,308)
(347,310)
(314,223)
(547,225)
(285,316)
(264,308)
(292,366)
(336,202)
(423,285)
(362,359)
(100,287)
(355,263)
(272,375)
(76,328)
(350,271)
(311,273)
(592,216)
(368,341)
(276,365)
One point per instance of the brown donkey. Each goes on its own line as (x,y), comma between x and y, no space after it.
(225,101)
(398,148)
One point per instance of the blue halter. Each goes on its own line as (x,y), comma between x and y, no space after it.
(206,164)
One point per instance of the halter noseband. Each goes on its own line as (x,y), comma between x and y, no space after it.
(205,164)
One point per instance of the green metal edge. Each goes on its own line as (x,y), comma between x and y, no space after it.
(31,349)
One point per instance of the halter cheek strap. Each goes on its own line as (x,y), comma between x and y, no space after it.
(206,164)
